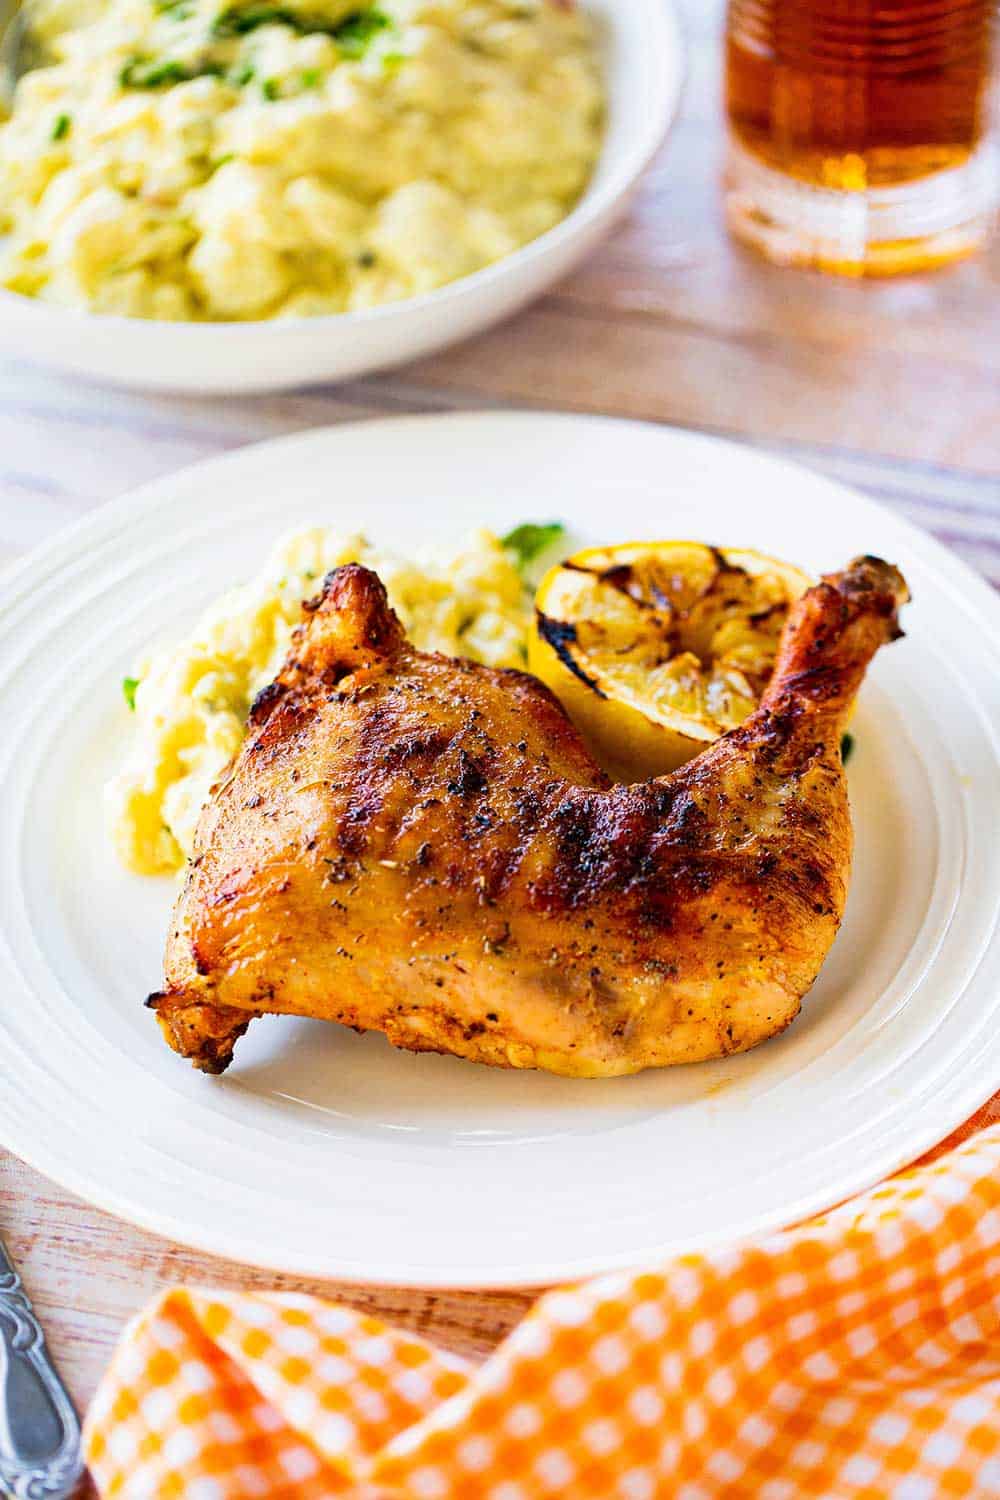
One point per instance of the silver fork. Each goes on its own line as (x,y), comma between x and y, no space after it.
(40,1456)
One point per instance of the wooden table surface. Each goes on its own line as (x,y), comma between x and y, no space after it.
(893,386)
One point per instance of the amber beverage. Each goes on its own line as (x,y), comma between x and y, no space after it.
(859,130)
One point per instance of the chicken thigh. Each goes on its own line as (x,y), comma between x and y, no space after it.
(424,847)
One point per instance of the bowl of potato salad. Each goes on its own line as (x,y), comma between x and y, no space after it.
(239,195)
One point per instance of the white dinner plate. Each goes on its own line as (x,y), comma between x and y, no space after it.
(643,60)
(328,1153)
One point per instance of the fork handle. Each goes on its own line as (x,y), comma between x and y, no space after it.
(39,1431)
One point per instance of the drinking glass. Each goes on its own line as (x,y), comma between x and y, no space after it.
(859,131)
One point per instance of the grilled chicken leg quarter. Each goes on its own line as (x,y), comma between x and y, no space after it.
(423,846)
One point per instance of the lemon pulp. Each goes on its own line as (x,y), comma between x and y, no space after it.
(657,648)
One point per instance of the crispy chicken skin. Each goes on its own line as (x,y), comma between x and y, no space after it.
(424,847)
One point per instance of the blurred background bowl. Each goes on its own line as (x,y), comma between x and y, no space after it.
(643,59)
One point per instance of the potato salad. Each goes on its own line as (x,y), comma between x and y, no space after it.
(205,160)
(191,698)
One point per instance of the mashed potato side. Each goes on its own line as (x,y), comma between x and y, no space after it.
(202,159)
(191,699)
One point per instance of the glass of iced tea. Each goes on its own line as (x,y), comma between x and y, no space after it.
(860,131)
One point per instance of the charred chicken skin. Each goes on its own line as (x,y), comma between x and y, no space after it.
(423,846)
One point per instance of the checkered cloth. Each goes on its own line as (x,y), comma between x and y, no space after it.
(855,1356)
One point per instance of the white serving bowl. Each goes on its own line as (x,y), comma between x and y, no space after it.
(643,70)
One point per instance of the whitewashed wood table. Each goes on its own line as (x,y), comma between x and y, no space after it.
(894,387)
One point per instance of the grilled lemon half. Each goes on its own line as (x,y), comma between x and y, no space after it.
(657,648)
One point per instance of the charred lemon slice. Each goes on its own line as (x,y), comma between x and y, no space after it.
(657,648)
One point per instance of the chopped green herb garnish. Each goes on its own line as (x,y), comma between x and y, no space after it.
(846,747)
(367,259)
(393,60)
(61,128)
(141,73)
(530,540)
(129,685)
(270,88)
(155,73)
(242,75)
(237,20)
(354,35)
(177,10)
(220,161)
(311,78)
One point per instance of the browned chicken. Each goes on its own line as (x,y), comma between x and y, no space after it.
(422,846)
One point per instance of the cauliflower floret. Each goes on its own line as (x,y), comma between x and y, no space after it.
(104,234)
(237,279)
(143,293)
(328,217)
(433,237)
(246,203)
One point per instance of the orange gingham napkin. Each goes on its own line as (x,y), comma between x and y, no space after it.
(857,1355)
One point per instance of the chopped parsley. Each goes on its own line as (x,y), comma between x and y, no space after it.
(271,88)
(311,78)
(352,34)
(158,73)
(61,127)
(237,20)
(846,747)
(530,540)
(129,685)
